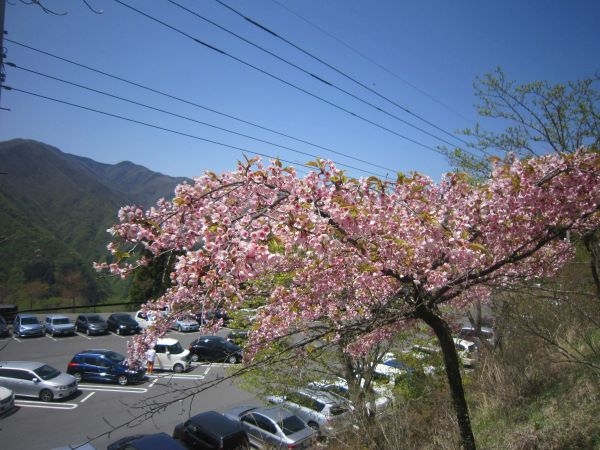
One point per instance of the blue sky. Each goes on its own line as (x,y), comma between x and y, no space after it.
(422,55)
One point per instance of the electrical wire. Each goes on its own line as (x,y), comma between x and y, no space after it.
(173,97)
(371,60)
(345,75)
(153,108)
(157,127)
(209,46)
(319,78)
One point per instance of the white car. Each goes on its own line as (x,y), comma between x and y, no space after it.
(144,320)
(170,355)
(7,400)
(339,386)
(467,352)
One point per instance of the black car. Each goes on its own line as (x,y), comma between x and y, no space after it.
(122,323)
(215,348)
(91,324)
(155,441)
(104,365)
(211,430)
(212,315)
(4,332)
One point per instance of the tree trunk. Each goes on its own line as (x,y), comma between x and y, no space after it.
(451,363)
(592,244)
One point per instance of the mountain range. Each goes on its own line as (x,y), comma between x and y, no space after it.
(55,209)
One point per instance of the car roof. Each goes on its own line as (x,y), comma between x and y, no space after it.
(156,441)
(277,413)
(167,341)
(100,351)
(216,423)
(29,365)
(322,396)
(56,316)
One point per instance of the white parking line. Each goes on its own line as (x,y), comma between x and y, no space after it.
(35,404)
(87,396)
(180,376)
(108,388)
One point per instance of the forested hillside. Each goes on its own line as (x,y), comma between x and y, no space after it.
(55,209)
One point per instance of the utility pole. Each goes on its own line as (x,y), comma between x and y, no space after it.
(2,55)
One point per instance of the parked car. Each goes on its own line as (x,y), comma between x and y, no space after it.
(57,325)
(122,323)
(157,441)
(4,331)
(339,387)
(211,430)
(27,325)
(213,315)
(186,323)
(470,333)
(104,365)
(36,379)
(215,348)
(170,355)
(322,411)
(467,352)
(274,427)
(91,324)
(145,320)
(238,337)
(7,400)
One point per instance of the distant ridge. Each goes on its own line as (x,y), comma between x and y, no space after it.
(55,209)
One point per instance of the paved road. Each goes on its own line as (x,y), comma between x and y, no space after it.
(99,409)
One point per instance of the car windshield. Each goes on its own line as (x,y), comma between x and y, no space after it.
(175,348)
(46,372)
(116,357)
(291,425)
(61,321)
(29,321)
(94,319)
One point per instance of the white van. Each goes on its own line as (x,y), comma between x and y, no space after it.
(170,355)
(144,320)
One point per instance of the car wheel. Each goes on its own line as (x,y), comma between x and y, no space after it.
(78,376)
(122,380)
(46,395)
(178,368)
(232,359)
(195,357)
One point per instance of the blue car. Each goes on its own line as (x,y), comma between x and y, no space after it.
(155,441)
(104,365)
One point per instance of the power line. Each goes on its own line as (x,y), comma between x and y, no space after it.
(371,60)
(403,108)
(156,91)
(322,80)
(183,33)
(180,116)
(157,127)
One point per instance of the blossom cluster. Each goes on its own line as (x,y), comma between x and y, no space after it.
(356,249)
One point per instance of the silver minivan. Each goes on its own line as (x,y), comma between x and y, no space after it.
(36,379)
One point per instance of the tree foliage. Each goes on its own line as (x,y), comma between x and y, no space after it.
(529,119)
(364,258)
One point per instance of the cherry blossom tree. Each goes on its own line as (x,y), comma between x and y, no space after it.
(368,258)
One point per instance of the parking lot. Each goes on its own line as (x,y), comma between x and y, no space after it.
(104,413)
